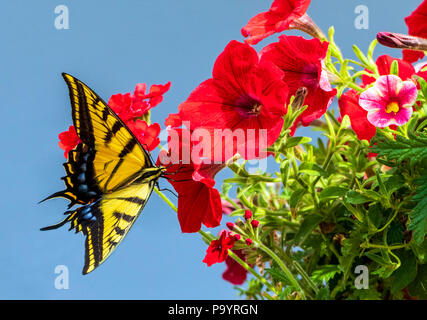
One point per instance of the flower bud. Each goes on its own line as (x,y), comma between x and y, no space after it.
(249,241)
(255,223)
(299,98)
(402,41)
(307,25)
(236,237)
(230,225)
(248,214)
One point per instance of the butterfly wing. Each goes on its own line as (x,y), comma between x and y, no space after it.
(109,172)
(115,214)
(117,155)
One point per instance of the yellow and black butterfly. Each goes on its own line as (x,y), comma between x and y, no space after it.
(109,174)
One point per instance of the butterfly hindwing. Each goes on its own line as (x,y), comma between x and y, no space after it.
(115,214)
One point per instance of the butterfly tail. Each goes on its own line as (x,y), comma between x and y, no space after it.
(71,216)
(76,218)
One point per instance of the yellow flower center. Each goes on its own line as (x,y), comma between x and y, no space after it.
(392,107)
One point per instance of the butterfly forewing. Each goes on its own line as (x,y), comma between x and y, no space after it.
(119,157)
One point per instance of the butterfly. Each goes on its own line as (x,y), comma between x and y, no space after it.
(109,174)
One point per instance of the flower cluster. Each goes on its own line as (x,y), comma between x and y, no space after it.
(328,205)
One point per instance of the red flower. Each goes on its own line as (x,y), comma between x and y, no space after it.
(198,201)
(129,107)
(155,95)
(349,101)
(217,251)
(349,105)
(235,273)
(417,26)
(422,72)
(230,225)
(255,223)
(68,140)
(148,135)
(406,70)
(301,61)
(244,96)
(279,18)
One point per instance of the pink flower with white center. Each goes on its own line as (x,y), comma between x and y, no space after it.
(389,101)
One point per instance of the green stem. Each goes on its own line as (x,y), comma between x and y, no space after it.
(251,271)
(388,222)
(282,266)
(379,246)
(207,237)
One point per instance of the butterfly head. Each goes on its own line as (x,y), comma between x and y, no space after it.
(152,173)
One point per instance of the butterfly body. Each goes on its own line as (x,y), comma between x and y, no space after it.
(109,174)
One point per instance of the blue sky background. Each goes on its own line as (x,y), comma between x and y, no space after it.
(111,46)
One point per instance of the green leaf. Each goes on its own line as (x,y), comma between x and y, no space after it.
(355,197)
(394,69)
(277,274)
(284,172)
(395,232)
(406,273)
(325,273)
(368,294)
(377,258)
(376,215)
(418,287)
(361,56)
(371,49)
(296,197)
(423,86)
(312,169)
(419,213)
(413,149)
(394,183)
(420,251)
(307,226)
(350,250)
(294,141)
(332,192)
(323,294)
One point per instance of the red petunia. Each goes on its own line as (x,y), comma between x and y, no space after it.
(417,26)
(235,273)
(198,201)
(349,105)
(156,93)
(148,135)
(217,251)
(301,61)
(244,102)
(130,106)
(422,72)
(277,19)
(68,140)
(384,62)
